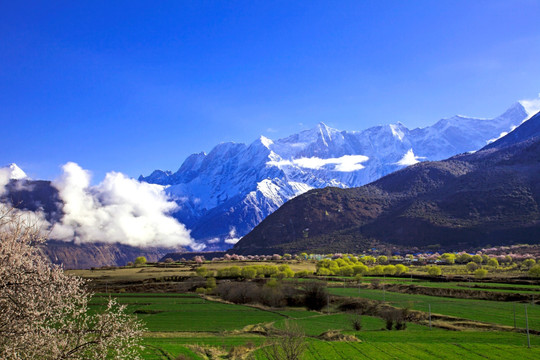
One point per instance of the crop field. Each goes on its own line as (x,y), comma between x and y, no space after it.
(188,325)
(495,312)
(178,324)
(496,287)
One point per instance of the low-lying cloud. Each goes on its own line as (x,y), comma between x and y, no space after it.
(118,210)
(409,159)
(346,163)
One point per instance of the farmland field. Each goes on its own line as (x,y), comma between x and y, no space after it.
(496,312)
(179,323)
(186,325)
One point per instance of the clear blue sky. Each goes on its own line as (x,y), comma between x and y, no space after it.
(133,86)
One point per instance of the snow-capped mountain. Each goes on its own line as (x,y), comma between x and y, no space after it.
(13,172)
(227,192)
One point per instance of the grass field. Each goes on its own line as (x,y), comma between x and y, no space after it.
(178,323)
(479,310)
(187,325)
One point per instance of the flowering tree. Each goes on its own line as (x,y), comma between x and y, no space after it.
(44,312)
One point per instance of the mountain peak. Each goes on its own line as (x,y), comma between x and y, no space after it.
(265,141)
(15,172)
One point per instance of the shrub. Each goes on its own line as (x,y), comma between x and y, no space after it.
(289,345)
(140,261)
(360,269)
(472,266)
(389,270)
(401,269)
(493,262)
(434,270)
(201,271)
(535,271)
(480,273)
(356,322)
(315,295)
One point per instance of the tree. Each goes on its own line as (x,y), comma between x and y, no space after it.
(44,312)
(535,271)
(401,269)
(480,273)
(140,261)
(448,258)
(493,262)
(528,263)
(434,270)
(201,271)
(389,270)
(315,295)
(477,259)
(472,266)
(289,345)
(360,269)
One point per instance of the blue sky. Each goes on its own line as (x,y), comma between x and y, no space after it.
(133,86)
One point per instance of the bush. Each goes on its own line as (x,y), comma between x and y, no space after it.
(493,262)
(401,269)
(472,266)
(397,316)
(535,271)
(289,345)
(140,261)
(303,274)
(356,322)
(480,273)
(315,295)
(389,270)
(434,270)
(360,269)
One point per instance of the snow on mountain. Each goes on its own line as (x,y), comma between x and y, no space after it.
(8,173)
(235,186)
(15,172)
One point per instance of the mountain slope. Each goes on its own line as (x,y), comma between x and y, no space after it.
(227,192)
(488,197)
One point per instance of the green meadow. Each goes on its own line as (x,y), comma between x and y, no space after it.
(179,325)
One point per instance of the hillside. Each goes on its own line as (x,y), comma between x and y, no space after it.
(474,199)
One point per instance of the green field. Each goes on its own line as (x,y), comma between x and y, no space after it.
(495,312)
(178,322)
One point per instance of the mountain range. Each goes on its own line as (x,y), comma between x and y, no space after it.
(224,194)
(488,197)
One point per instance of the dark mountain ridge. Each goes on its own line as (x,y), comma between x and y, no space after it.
(491,197)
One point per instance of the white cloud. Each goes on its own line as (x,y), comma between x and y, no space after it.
(213,241)
(504,133)
(346,163)
(409,159)
(532,106)
(232,239)
(118,210)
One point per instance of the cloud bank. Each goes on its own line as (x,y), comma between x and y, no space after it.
(118,210)
(346,163)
